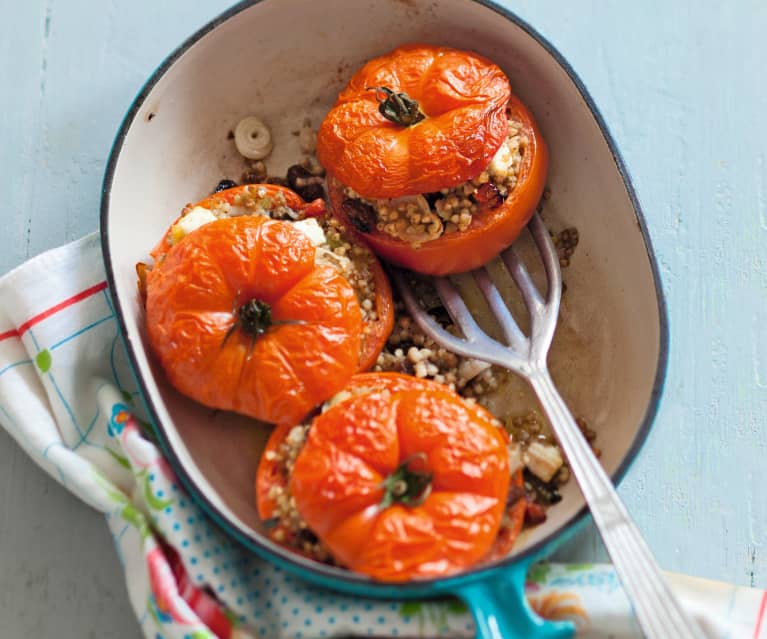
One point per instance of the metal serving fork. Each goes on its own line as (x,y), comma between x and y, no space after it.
(659,614)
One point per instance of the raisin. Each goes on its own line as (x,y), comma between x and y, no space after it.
(488,194)
(297,175)
(362,216)
(311,192)
(223,185)
(534,513)
(307,536)
(305,183)
(432,198)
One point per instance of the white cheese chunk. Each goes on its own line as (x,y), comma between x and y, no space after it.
(193,220)
(515,457)
(312,230)
(543,460)
(502,160)
(339,262)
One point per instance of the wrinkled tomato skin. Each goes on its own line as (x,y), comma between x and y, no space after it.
(194,294)
(269,477)
(375,331)
(462,96)
(491,230)
(352,447)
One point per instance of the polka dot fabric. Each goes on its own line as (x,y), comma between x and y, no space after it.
(261,599)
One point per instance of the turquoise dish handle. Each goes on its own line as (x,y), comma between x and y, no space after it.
(501,611)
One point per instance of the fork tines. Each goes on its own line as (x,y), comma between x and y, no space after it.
(520,351)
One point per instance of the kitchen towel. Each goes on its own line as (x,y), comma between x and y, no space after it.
(69,398)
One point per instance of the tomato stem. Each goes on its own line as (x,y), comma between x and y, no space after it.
(255,317)
(399,108)
(407,486)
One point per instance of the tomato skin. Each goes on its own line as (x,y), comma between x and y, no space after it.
(508,534)
(491,231)
(193,295)
(268,474)
(338,482)
(462,96)
(375,332)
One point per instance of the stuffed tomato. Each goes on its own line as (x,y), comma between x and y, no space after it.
(335,246)
(397,478)
(432,159)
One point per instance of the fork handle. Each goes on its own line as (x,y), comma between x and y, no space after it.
(656,608)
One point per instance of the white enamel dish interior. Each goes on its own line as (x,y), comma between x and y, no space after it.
(285,60)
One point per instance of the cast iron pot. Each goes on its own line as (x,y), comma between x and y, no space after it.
(285,60)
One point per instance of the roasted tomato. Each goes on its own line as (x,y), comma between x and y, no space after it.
(242,319)
(419,125)
(275,200)
(270,478)
(443,131)
(402,480)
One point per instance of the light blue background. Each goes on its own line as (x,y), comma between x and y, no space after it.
(682,87)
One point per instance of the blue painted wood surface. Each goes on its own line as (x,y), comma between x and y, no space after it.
(682,87)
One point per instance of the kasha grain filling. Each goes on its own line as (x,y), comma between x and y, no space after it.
(421,218)
(290,528)
(354,262)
